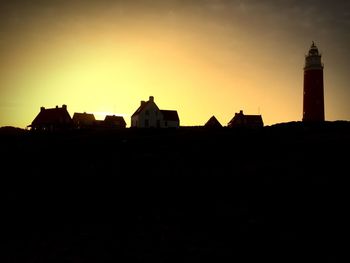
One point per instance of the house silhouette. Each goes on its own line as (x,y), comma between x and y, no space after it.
(241,120)
(112,121)
(83,120)
(148,115)
(52,119)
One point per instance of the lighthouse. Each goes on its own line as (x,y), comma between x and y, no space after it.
(313,103)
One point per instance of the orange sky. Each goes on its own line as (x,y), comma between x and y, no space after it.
(201,58)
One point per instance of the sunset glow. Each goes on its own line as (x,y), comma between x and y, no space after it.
(201,59)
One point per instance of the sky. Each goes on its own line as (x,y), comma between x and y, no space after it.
(199,57)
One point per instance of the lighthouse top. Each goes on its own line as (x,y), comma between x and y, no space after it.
(313,50)
(313,58)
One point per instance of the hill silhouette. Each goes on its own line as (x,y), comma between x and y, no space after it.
(9,130)
(189,195)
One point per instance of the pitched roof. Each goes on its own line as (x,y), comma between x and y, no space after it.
(83,117)
(241,119)
(52,116)
(213,123)
(142,106)
(112,119)
(170,115)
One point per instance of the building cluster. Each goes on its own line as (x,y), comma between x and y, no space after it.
(148,115)
(57,118)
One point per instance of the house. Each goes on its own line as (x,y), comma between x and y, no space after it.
(83,120)
(170,119)
(148,115)
(246,121)
(52,119)
(213,123)
(112,121)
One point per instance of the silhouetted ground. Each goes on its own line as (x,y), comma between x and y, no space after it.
(187,195)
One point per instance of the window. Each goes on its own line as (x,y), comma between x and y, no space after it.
(146,123)
(147,112)
(166,124)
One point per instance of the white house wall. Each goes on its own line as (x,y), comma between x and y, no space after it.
(153,116)
(134,121)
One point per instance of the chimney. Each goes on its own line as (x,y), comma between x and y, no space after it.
(64,106)
(56,107)
(42,108)
(241,112)
(142,102)
(151,98)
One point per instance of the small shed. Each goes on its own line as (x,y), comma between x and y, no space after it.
(213,123)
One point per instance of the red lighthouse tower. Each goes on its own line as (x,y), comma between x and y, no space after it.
(313,104)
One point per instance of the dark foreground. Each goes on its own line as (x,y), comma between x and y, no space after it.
(188,195)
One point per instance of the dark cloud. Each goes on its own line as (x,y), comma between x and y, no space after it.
(323,21)
(308,18)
